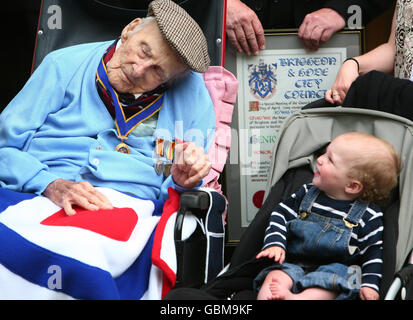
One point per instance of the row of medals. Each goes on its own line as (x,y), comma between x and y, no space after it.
(162,164)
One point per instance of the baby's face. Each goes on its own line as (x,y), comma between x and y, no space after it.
(333,166)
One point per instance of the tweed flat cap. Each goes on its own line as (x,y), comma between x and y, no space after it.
(182,33)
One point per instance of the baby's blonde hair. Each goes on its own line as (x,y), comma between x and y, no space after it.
(376,165)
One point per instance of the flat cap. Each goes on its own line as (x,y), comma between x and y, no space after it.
(182,33)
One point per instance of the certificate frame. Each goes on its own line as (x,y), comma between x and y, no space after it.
(286,40)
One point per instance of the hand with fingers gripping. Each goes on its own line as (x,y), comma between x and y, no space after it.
(345,77)
(190,165)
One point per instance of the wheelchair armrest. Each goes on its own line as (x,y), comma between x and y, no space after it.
(190,253)
(195,199)
(200,256)
(195,202)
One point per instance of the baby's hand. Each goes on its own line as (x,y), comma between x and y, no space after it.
(275,252)
(367,293)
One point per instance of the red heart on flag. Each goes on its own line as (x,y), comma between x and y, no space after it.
(117,223)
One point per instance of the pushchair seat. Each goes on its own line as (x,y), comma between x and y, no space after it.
(301,139)
(299,143)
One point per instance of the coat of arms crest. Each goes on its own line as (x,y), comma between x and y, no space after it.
(261,80)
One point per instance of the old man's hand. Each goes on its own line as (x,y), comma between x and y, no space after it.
(190,165)
(67,194)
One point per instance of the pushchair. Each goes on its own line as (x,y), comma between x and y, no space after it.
(300,141)
(63,23)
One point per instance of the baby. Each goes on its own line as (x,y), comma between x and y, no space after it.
(331,224)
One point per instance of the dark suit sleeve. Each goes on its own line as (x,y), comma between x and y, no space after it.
(370,8)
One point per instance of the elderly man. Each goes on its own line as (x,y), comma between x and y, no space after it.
(113,114)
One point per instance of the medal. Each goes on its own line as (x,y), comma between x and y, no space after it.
(167,169)
(165,151)
(122,148)
(124,126)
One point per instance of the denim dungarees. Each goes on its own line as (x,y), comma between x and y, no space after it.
(314,238)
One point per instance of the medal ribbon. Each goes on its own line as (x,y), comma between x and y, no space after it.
(170,150)
(125,126)
(159,147)
(165,149)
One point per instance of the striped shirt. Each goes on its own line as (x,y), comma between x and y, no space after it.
(367,236)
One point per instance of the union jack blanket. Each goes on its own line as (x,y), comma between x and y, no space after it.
(124,253)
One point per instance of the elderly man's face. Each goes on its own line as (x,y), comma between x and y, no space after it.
(144,60)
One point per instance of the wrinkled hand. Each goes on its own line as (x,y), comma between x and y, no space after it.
(319,26)
(275,252)
(345,77)
(367,293)
(67,194)
(244,29)
(190,165)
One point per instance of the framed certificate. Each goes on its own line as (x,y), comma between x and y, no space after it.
(272,86)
